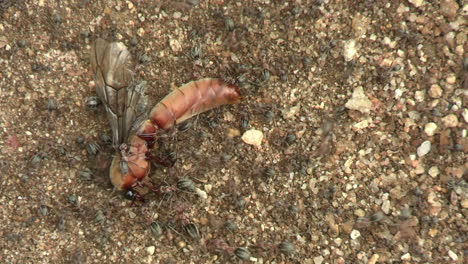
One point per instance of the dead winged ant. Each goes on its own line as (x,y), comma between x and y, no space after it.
(121,97)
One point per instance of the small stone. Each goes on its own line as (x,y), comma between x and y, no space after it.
(373,259)
(464,203)
(359,101)
(359,213)
(386,206)
(177,15)
(3,42)
(406,257)
(318,260)
(175,45)
(419,169)
(434,171)
(360,25)
(132,215)
(253,137)
(430,129)
(419,96)
(417,3)
(432,232)
(452,255)
(424,148)
(435,91)
(361,125)
(202,194)
(451,79)
(204,221)
(181,244)
(355,234)
(150,250)
(233,132)
(291,112)
(449,8)
(435,206)
(141,32)
(349,50)
(465,114)
(450,120)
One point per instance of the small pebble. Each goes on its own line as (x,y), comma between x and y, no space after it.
(451,79)
(349,50)
(465,115)
(177,15)
(253,137)
(464,203)
(181,244)
(386,206)
(175,45)
(373,259)
(141,32)
(424,148)
(450,120)
(359,101)
(232,132)
(419,96)
(318,260)
(435,91)
(449,8)
(150,250)
(417,3)
(202,194)
(355,234)
(406,257)
(434,171)
(430,129)
(452,255)
(291,112)
(359,212)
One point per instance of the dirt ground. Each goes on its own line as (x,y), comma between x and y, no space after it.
(362,105)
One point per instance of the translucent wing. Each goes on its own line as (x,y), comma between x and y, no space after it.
(123,98)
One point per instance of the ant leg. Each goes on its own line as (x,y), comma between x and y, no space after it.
(164,162)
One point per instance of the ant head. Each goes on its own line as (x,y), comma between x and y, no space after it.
(131,194)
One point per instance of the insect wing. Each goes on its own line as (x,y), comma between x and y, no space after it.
(115,86)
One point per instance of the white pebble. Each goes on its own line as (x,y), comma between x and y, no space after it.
(416,3)
(177,15)
(201,193)
(406,257)
(359,101)
(430,129)
(318,260)
(424,148)
(349,50)
(452,255)
(175,45)
(291,112)
(150,250)
(386,207)
(253,137)
(434,171)
(435,91)
(450,120)
(465,114)
(355,234)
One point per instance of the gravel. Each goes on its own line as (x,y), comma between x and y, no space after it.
(361,106)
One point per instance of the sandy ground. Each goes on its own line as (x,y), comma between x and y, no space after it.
(362,106)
